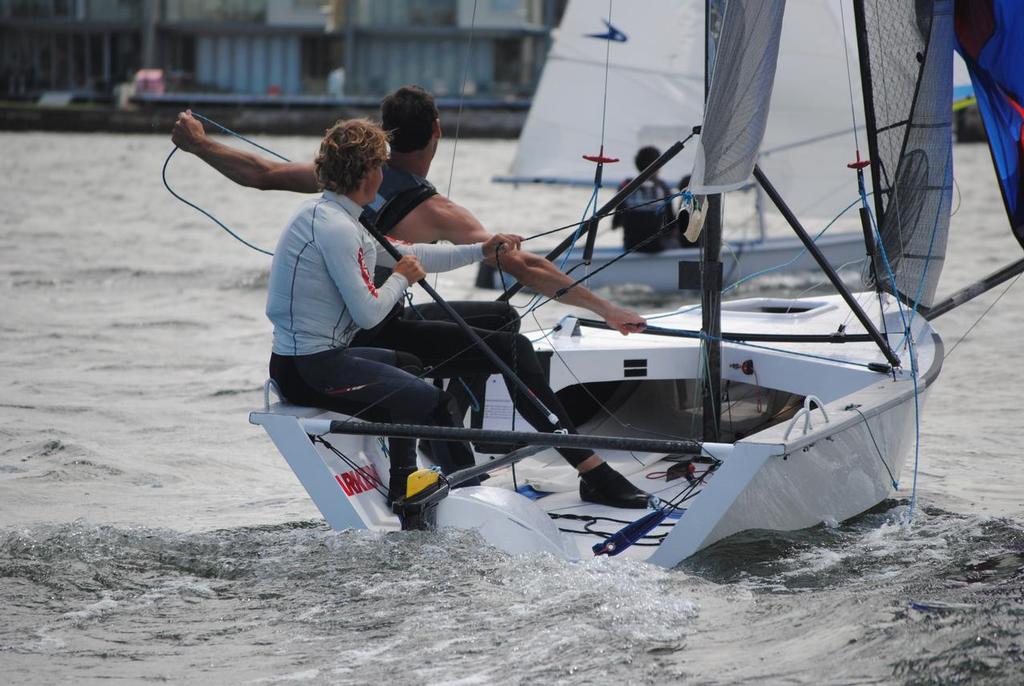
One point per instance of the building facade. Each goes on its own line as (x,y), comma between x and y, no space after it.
(496,48)
(288,49)
(68,45)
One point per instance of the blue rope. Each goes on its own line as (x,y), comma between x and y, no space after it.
(238,135)
(917,426)
(913,352)
(163,176)
(767,270)
(908,339)
(797,256)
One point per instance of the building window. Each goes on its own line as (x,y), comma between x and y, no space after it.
(38,8)
(320,56)
(114,10)
(510,77)
(250,11)
(411,13)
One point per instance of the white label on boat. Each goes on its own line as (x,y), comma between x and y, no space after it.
(498,410)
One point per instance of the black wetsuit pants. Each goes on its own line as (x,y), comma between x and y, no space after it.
(374,385)
(446,352)
(380,385)
(480,314)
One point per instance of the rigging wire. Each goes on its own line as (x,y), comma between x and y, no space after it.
(978,320)
(665,198)
(800,254)
(892,479)
(462,97)
(768,270)
(849,76)
(607,68)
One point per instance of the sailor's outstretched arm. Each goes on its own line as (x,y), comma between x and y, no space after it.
(434,258)
(544,277)
(444,258)
(244,168)
(438,218)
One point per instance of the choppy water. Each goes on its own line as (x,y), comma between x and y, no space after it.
(147,532)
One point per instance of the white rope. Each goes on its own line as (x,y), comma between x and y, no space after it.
(849,74)
(607,63)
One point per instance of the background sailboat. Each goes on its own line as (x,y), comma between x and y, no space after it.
(654,53)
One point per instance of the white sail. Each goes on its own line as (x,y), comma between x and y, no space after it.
(739,98)
(656,92)
(810,136)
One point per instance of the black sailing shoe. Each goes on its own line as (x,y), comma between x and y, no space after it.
(605,486)
(397,483)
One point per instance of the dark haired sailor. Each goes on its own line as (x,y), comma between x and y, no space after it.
(646,213)
(409,207)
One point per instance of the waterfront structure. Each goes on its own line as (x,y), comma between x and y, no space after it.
(393,42)
(284,49)
(67,45)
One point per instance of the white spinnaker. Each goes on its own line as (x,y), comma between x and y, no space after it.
(655,91)
(809,136)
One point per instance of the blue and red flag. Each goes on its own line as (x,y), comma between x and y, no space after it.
(990,38)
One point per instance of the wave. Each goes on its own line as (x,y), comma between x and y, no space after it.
(354,605)
(56,460)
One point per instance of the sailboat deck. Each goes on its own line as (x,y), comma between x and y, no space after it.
(593,354)
(755,316)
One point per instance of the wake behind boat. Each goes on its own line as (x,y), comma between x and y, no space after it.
(775,414)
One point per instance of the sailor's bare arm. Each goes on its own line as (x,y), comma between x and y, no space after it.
(438,218)
(244,168)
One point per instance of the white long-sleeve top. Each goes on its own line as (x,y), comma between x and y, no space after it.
(321,288)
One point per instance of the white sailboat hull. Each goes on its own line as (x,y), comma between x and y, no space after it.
(660,271)
(826,477)
(842,459)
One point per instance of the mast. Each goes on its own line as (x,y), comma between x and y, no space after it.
(870,124)
(711,278)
